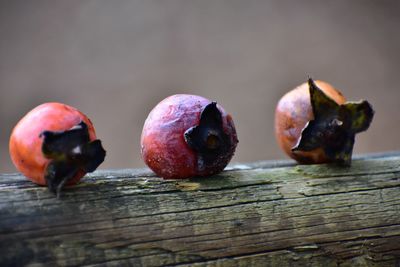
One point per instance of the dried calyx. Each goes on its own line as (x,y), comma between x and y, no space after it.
(70,151)
(334,126)
(208,139)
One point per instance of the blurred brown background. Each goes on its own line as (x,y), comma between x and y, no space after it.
(115,60)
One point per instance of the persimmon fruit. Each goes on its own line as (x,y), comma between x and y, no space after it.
(55,144)
(314,123)
(188,135)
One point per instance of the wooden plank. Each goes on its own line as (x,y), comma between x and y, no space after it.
(260,214)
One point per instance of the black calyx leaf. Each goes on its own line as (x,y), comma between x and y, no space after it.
(70,151)
(59,145)
(334,126)
(208,139)
(343,155)
(310,137)
(58,173)
(322,105)
(361,114)
(93,155)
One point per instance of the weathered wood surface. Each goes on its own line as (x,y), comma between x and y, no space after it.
(263,214)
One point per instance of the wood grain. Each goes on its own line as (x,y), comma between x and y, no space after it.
(260,214)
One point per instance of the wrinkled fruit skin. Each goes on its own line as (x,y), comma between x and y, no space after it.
(26,143)
(163,145)
(292,113)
